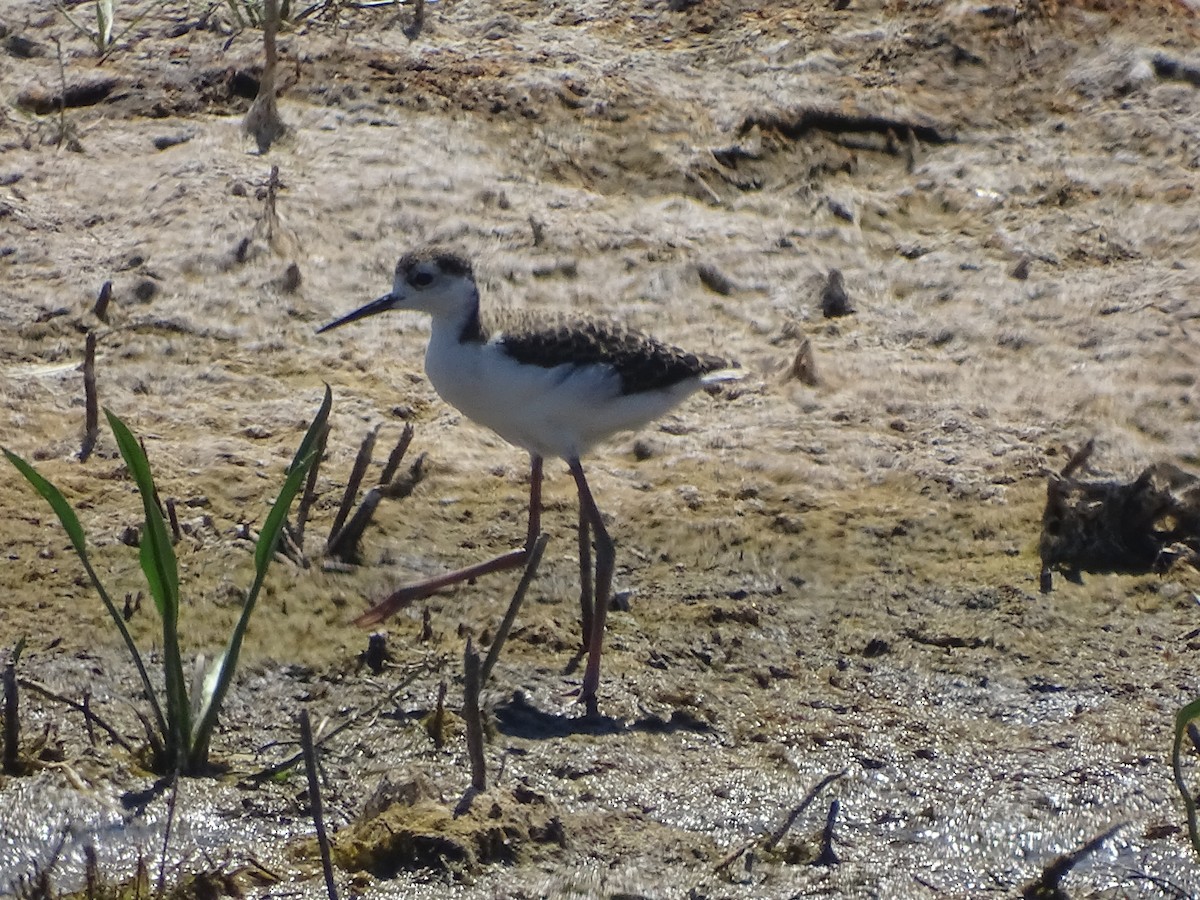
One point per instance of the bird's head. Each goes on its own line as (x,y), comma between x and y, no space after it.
(432,281)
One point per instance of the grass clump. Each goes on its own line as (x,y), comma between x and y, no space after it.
(183,725)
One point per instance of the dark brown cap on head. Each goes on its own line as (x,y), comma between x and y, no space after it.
(448,261)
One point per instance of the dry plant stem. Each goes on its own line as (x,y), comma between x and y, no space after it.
(91,429)
(827,856)
(356,476)
(418,20)
(397,454)
(12,722)
(1078,459)
(172,801)
(531,567)
(263,120)
(62,100)
(173,519)
(474,716)
(101,307)
(804,804)
(310,490)
(777,836)
(342,545)
(1049,885)
(89,715)
(410,677)
(314,799)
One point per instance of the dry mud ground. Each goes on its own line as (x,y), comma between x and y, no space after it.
(839,578)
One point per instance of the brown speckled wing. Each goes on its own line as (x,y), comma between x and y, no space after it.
(642,362)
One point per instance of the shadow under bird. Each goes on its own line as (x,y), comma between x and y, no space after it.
(553,387)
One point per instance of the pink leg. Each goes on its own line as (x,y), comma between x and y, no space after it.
(513,559)
(605,557)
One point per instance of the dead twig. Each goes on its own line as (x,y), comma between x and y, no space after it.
(361,461)
(173,519)
(1078,459)
(773,839)
(263,121)
(12,721)
(314,801)
(89,715)
(474,716)
(91,426)
(310,490)
(804,366)
(531,567)
(1050,884)
(411,676)
(101,308)
(344,540)
(162,862)
(827,856)
(397,455)
(413,29)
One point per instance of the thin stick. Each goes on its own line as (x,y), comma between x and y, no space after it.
(356,476)
(393,461)
(87,717)
(804,804)
(12,723)
(85,708)
(271,771)
(827,856)
(531,567)
(473,717)
(161,887)
(314,800)
(310,489)
(777,836)
(101,307)
(62,100)
(91,429)
(343,545)
(173,518)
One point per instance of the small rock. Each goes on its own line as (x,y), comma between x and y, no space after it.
(290,282)
(643,449)
(1021,270)
(835,301)
(145,290)
(162,142)
(714,279)
(841,210)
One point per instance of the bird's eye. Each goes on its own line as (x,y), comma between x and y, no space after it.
(420,279)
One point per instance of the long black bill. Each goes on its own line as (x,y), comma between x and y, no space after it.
(383,304)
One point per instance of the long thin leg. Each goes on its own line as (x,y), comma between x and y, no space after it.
(586,587)
(605,557)
(410,593)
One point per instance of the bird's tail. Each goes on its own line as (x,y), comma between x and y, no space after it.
(733,372)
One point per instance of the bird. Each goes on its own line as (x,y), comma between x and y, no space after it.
(553,386)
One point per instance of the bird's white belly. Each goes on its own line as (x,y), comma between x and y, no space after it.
(561,411)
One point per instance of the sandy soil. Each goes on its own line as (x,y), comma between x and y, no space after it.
(822,579)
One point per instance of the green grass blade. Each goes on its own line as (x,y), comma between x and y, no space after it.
(216,684)
(1182,720)
(70,523)
(313,436)
(66,515)
(161,569)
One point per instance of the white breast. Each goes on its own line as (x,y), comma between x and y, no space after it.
(561,411)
